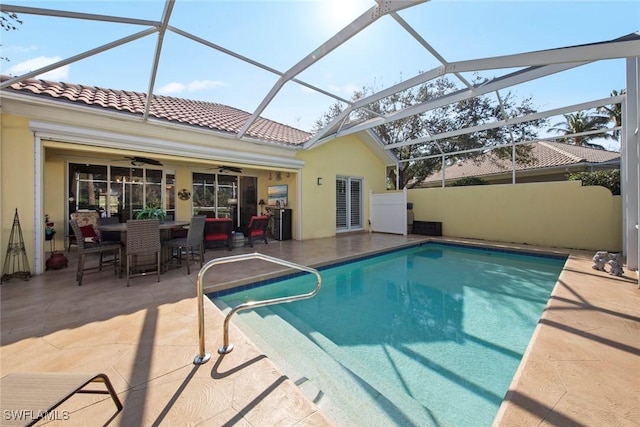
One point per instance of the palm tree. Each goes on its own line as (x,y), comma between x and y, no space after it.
(582,122)
(614,112)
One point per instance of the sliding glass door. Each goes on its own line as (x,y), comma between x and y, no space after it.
(225,196)
(348,204)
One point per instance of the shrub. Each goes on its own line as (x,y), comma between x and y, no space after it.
(470,180)
(608,178)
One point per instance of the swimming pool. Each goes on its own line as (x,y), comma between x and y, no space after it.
(430,335)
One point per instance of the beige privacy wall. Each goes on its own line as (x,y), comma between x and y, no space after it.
(556,214)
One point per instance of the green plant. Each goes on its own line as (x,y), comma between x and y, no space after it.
(608,178)
(49,231)
(471,180)
(151,212)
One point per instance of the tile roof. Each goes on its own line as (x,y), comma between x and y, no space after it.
(201,114)
(546,154)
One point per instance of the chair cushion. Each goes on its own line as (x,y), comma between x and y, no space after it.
(216,237)
(89,234)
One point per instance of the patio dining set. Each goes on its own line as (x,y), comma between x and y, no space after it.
(141,247)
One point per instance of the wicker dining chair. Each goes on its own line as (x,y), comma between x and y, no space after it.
(84,219)
(143,244)
(91,246)
(194,240)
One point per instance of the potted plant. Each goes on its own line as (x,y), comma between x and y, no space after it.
(151,212)
(56,260)
(49,231)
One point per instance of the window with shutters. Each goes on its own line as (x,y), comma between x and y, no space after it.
(348,204)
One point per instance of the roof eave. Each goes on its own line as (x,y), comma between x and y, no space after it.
(40,100)
(611,164)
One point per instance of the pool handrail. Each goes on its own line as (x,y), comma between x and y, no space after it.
(204,357)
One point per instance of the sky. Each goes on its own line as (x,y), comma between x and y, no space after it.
(279,34)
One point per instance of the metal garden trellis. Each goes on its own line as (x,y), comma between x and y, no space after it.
(16,259)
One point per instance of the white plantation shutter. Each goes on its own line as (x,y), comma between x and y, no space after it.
(356,203)
(348,203)
(341,204)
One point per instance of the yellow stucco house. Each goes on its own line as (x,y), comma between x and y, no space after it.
(66,147)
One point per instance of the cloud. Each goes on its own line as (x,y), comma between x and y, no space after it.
(23,49)
(194,86)
(347,89)
(172,88)
(61,73)
(198,85)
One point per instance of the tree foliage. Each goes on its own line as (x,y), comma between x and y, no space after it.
(607,178)
(446,118)
(614,113)
(583,121)
(9,21)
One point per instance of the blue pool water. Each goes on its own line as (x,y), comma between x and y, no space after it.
(430,335)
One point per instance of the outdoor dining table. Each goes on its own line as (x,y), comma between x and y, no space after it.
(165,232)
(122,226)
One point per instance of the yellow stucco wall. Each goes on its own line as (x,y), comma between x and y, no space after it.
(561,214)
(17,182)
(345,156)
(556,214)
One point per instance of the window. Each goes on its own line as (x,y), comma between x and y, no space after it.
(204,193)
(88,187)
(118,191)
(170,193)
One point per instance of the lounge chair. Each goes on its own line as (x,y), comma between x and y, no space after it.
(257,229)
(29,397)
(218,230)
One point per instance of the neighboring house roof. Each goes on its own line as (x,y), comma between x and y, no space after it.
(546,155)
(202,114)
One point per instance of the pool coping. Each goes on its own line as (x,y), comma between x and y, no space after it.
(284,275)
(513,411)
(283,272)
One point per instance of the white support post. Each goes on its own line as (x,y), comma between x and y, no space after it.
(630,166)
(39,254)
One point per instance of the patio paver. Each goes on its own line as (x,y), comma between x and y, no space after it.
(581,368)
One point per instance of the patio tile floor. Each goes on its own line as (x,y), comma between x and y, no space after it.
(582,367)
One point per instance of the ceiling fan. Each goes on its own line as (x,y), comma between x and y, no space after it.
(140,161)
(223,169)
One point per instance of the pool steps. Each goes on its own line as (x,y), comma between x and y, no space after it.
(203,357)
(325,372)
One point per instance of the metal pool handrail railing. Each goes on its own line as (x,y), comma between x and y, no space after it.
(204,357)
